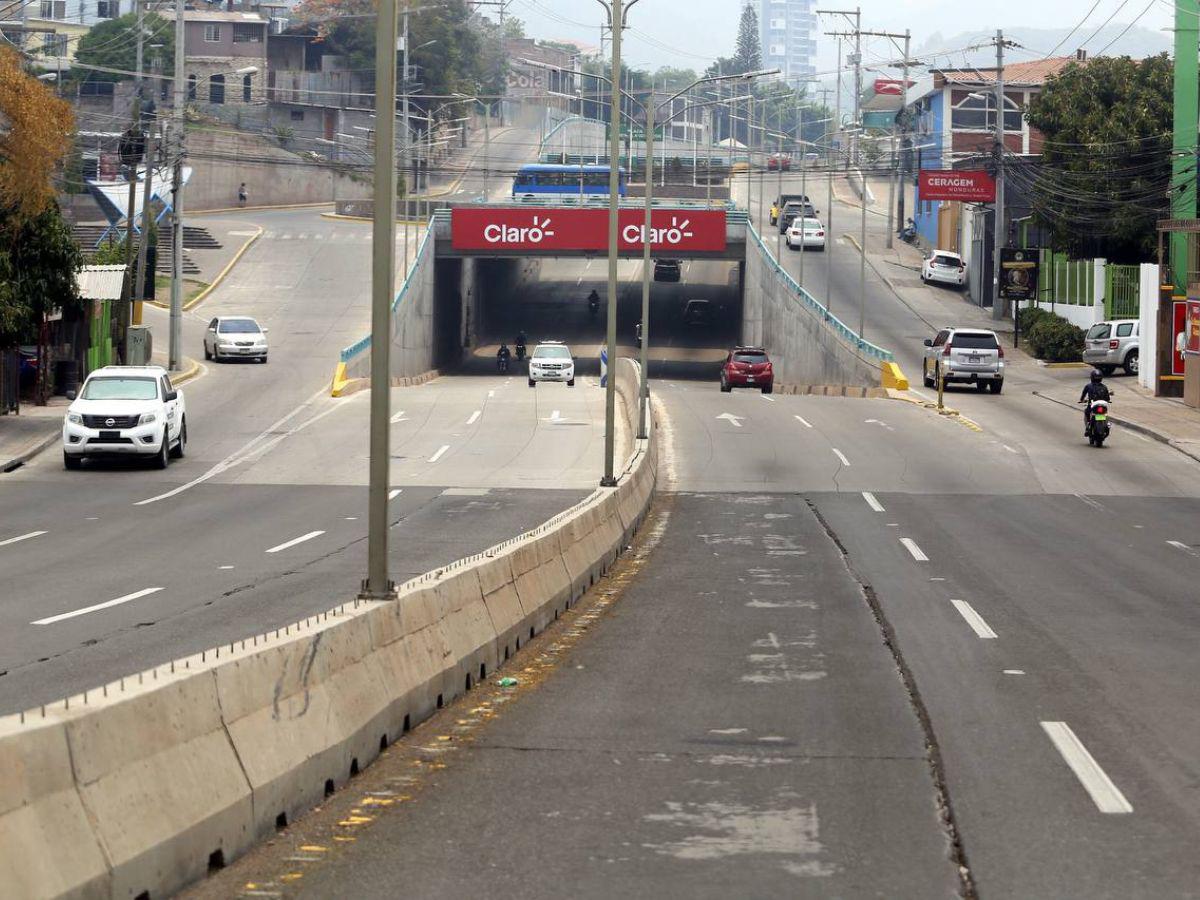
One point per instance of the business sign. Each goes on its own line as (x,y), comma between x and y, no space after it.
(965,185)
(890,87)
(1185,320)
(552,229)
(1018,273)
(1192,326)
(522,81)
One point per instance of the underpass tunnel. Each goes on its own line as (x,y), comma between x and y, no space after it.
(547,299)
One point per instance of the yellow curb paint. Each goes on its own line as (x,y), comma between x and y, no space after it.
(229,209)
(1068,365)
(199,298)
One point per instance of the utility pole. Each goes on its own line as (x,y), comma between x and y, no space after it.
(854,16)
(644,387)
(139,291)
(174,353)
(616,13)
(1000,236)
(902,123)
(377,585)
(135,138)
(837,114)
(404,133)
(1183,159)
(894,173)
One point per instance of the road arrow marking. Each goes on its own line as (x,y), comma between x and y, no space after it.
(879,423)
(735,421)
(398,417)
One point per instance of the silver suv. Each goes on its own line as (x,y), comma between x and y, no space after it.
(967,355)
(1111,344)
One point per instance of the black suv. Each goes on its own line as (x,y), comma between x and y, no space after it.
(667,270)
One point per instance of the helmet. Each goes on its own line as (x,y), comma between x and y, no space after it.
(1097,376)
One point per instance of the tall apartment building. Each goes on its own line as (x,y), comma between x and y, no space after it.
(789,37)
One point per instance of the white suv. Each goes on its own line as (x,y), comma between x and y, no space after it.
(125,411)
(551,361)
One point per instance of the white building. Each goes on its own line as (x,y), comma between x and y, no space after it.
(789,37)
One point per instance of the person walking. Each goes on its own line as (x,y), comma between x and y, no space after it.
(242,195)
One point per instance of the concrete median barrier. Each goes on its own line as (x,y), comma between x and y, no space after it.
(146,785)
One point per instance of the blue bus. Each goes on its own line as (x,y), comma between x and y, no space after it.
(545,178)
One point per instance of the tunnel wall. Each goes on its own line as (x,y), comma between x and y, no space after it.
(808,345)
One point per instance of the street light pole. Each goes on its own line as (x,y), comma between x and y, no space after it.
(377,585)
(644,387)
(178,134)
(614,173)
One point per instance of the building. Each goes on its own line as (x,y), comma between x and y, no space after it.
(789,37)
(49,30)
(216,46)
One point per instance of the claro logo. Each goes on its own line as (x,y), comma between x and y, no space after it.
(513,234)
(674,234)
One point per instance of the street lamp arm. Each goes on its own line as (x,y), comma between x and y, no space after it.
(607,11)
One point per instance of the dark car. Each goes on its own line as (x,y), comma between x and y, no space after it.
(698,312)
(667,270)
(747,367)
(783,200)
(793,209)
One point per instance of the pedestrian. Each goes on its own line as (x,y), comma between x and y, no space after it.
(242,194)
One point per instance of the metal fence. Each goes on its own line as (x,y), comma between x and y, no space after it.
(1122,291)
(1068,281)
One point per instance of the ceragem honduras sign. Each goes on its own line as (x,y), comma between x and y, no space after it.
(553,229)
(966,185)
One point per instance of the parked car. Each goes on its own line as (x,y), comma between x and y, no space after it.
(1111,344)
(812,159)
(807,232)
(235,337)
(791,211)
(967,355)
(944,267)
(781,201)
(125,411)
(697,312)
(779,161)
(667,270)
(551,361)
(747,367)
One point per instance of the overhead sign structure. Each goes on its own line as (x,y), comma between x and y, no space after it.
(964,185)
(1018,273)
(553,229)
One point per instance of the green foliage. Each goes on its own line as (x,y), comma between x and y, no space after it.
(1055,339)
(669,78)
(113,44)
(1107,158)
(748,56)
(283,134)
(38,261)
(110,253)
(1030,316)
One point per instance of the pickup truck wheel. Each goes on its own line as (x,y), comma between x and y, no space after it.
(71,462)
(181,447)
(981,386)
(162,458)
(997,386)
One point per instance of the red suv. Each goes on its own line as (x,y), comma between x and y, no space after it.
(747,367)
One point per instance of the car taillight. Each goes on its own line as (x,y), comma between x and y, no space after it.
(820,234)
(1113,345)
(1001,349)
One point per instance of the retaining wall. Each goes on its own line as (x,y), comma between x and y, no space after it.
(142,785)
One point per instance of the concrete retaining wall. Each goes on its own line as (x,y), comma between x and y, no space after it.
(144,784)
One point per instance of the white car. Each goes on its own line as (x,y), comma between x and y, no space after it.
(811,234)
(125,411)
(551,361)
(944,267)
(235,337)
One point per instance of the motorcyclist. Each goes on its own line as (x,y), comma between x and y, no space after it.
(593,300)
(502,356)
(1095,389)
(520,345)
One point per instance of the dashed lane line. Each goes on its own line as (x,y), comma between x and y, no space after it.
(394,493)
(842,456)
(474,417)
(1106,795)
(803,421)
(441,450)
(294,541)
(974,619)
(1180,545)
(21,537)
(911,546)
(136,595)
(872,502)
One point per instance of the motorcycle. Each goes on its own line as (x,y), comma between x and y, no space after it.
(1097,424)
(593,306)
(520,350)
(502,364)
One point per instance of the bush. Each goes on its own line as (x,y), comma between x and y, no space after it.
(1030,316)
(1055,340)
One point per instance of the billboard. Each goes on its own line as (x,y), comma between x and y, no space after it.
(553,229)
(965,185)
(1018,273)
(890,87)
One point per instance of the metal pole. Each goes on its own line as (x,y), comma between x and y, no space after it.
(779,213)
(487,153)
(403,131)
(862,263)
(610,397)
(804,191)
(837,113)
(829,242)
(126,307)
(139,288)
(708,162)
(902,177)
(858,90)
(175,343)
(377,585)
(891,177)
(997,304)
(644,392)
(762,166)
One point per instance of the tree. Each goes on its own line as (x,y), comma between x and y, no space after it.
(1106,163)
(668,78)
(514,28)
(113,45)
(748,56)
(38,261)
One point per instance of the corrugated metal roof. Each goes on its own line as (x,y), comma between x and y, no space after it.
(101,282)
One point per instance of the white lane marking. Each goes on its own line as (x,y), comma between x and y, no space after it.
(398,417)
(554,416)
(974,619)
(136,595)
(878,422)
(294,541)
(911,546)
(1180,545)
(735,421)
(1014,671)
(872,502)
(491,394)
(769,399)
(21,537)
(350,518)
(1009,449)
(803,421)
(394,493)
(579,281)
(727,731)
(1094,504)
(442,449)
(1107,797)
(475,417)
(224,567)
(842,456)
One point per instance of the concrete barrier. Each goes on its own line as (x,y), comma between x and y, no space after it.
(144,786)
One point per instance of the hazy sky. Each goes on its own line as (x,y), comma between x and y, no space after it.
(692,32)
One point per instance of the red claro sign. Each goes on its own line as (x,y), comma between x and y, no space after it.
(550,229)
(966,185)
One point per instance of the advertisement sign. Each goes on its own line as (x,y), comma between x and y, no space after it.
(1018,273)
(1181,323)
(966,185)
(522,80)
(553,229)
(1192,327)
(890,87)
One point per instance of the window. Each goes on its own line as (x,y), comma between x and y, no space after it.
(1125,329)
(297,115)
(1099,332)
(974,341)
(216,89)
(54,45)
(779,24)
(120,389)
(247,34)
(941,338)
(191,88)
(212,34)
(108,9)
(978,113)
(247,84)
(53,9)
(777,50)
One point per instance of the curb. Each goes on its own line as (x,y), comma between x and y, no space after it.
(342,386)
(1132,426)
(340,218)
(203,295)
(228,209)
(191,373)
(1063,365)
(21,458)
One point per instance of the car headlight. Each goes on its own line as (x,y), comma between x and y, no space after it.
(75,418)
(147,419)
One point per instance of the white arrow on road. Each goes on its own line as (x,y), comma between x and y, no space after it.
(735,421)
(879,423)
(555,418)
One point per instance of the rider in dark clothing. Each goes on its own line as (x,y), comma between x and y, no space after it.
(1095,389)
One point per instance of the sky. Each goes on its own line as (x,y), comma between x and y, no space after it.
(691,33)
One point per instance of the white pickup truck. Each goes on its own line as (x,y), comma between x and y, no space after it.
(125,411)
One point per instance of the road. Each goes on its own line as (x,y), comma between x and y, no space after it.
(859,650)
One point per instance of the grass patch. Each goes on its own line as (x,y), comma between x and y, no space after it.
(162,289)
